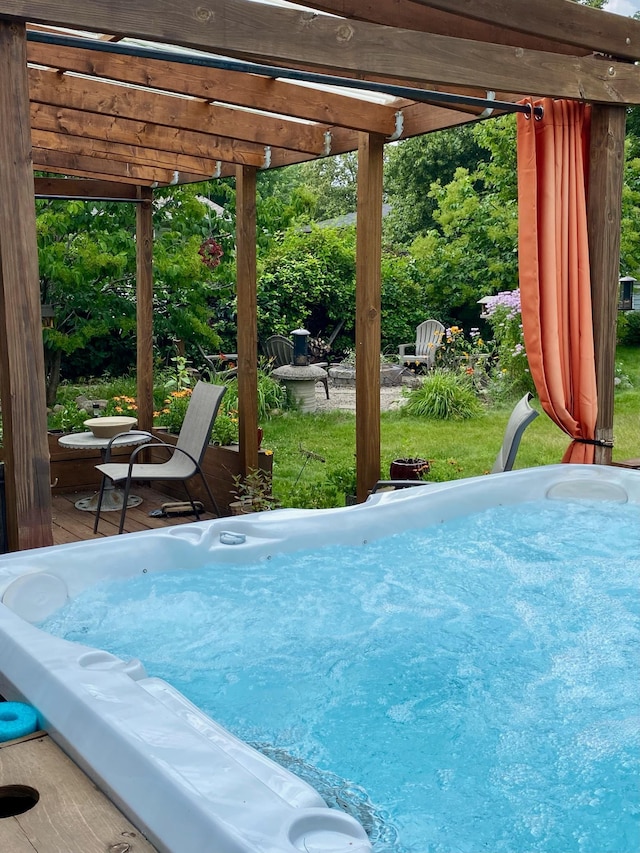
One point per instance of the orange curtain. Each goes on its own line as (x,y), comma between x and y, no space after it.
(553,251)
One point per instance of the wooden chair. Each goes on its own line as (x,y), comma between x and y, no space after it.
(186,456)
(279,351)
(428,338)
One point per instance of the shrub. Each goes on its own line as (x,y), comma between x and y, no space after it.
(629,328)
(443,396)
(272,396)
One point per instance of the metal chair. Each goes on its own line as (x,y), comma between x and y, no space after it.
(186,456)
(428,338)
(279,351)
(519,420)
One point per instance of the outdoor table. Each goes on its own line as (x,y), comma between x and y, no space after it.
(113,496)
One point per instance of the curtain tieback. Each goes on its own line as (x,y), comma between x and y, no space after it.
(598,442)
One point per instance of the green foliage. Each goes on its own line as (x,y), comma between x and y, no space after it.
(413,166)
(402,301)
(629,328)
(68,418)
(225,428)
(255,490)
(332,184)
(308,280)
(444,396)
(272,396)
(343,479)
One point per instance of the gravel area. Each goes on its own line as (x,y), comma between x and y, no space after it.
(344,397)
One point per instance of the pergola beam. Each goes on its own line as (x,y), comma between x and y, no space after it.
(22,386)
(222,86)
(115,151)
(81,93)
(245,29)
(413,16)
(155,137)
(83,188)
(556,20)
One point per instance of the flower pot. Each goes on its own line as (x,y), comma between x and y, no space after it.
(408,469)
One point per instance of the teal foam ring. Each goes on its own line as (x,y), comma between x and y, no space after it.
(17,720)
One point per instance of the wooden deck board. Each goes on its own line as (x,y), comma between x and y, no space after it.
(71,816)
(74,525)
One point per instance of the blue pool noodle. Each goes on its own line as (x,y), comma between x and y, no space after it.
(17,720)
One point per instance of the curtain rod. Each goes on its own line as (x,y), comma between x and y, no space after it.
(206,61)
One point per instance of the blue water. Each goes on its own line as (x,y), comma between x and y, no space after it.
(464,688)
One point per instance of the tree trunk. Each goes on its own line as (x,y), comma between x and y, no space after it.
(52,362)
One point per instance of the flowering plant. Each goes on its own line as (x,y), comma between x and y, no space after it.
(210,252)
(503,313)
(225,428)
(175,408)
(122,405)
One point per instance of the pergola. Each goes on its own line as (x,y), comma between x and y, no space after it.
(117,124)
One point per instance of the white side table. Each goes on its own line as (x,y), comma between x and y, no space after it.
(113,497)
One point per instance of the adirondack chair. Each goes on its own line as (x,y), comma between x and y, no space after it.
(428,338)
(279,351)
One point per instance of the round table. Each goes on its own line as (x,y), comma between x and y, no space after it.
(112,497)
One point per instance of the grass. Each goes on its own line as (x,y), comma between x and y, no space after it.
(455,449)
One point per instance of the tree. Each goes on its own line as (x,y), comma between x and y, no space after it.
(472,250)
(308,279)
(413,166)
(332,183)
(86,253)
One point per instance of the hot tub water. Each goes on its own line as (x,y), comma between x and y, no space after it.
(466,687)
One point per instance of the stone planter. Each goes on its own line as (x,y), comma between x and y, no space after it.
(345,375)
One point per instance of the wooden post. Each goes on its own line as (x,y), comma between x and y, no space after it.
(603,221)
(247,316)
(22,384)
(368,278)
(144,306)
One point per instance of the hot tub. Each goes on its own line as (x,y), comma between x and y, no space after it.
(185,781)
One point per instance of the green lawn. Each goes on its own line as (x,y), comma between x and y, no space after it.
(455,449)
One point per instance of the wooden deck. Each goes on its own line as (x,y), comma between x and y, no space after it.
(73,525)
(70,816)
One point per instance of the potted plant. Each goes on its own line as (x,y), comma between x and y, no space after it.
(409,468)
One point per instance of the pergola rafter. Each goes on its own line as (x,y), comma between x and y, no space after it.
(117,126)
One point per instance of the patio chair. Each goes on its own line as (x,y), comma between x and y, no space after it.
(519,420)
(428,338)
(279,351)
(186,456)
